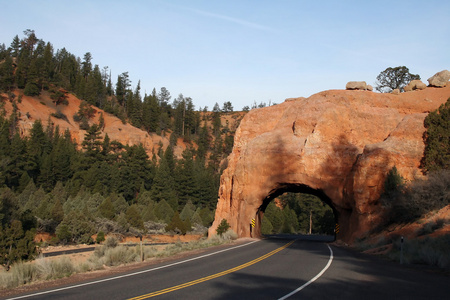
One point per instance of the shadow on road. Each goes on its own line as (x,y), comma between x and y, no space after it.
(352,275)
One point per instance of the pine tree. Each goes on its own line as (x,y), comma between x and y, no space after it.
(6,74)
(86,65)
(122,85)
(437,139)
(15,46)
(204,140)
(188,211)
(151,112)
(134,218)
(186,184)
(177,225)
(163,187)
(134,107)
(275,215)
(106,209)
(92,143)
(164,211)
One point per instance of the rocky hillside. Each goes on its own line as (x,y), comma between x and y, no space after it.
(43,108)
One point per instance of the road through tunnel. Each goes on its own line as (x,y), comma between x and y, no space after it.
(312,209)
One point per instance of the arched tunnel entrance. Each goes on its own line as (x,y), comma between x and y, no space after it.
(330,145)
(313,211)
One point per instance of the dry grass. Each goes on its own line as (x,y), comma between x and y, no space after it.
(109,254)
(429,250)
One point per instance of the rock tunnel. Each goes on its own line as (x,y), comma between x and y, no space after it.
(337,145)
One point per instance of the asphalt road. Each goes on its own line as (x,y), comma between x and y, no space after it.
(290,267)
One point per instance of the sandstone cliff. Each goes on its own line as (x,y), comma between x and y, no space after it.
(337,144)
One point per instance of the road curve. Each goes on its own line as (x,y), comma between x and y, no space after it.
(290,267)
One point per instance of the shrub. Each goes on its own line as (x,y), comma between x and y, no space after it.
(229,235)
(31,89)
(223,227)
(111,242)
(53,269)
(178,225)
(421,196)
(100,237)
(431,226)
(59,115)
(59,97)
(120,255)
(430,251)
(266,226)
(393,182)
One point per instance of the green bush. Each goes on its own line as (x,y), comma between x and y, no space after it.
(31,89)
(223,227)
(100,237)
(177,225)
(266,226)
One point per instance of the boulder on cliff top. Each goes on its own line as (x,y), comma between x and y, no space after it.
(357,85)
(415,85)
(439,79)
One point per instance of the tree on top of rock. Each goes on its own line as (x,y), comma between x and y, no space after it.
(394,78)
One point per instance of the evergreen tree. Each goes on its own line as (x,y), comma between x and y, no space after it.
(151,112)
(6,74)
(196,220)
(437,139)
(106,209)
(95,92)
(86,65)
(134,107)
(15,165)
(207,216)
(163,187)
(188,211)
(203,142)
(164,211)
(57,212)
(38,145)
(134,218)
(92,143)
(122,86)
(177,225)
(15,46)
(275,215)
(15,243)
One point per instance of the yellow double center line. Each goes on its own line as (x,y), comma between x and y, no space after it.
(194,282)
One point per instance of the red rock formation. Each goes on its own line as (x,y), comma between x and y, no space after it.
(336,144)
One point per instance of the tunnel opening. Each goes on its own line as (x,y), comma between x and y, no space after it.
(298,209)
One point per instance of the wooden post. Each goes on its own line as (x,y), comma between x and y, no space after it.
(310,221)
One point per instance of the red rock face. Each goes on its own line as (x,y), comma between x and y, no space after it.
(338,145)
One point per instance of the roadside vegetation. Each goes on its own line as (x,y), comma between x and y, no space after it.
(410,203)
(110,254)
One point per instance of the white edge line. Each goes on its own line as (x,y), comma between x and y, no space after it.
(130,274)
(313,279)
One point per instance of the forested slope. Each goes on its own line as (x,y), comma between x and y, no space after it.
(79,156)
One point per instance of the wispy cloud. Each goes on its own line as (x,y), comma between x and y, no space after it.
(226,18)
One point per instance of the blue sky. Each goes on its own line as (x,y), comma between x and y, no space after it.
(242,51)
